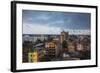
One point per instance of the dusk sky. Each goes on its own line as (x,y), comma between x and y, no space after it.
(50,22)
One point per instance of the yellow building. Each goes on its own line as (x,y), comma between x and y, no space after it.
(64,36)
(33,56)
(51,48)
(51,44)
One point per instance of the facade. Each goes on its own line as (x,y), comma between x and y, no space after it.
(50,48)
(50,44)
(79,47)
(64,36)
(27,47)
(71,47)
(33,56)
(36,55)
(25,54)
(53,48)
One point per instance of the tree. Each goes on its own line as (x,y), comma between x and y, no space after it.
(27,44)
(64,44)
(50,38)
(38,41)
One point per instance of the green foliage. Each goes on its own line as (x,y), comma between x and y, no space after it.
(64,44)
(50,38)
(27,44)
(38,41)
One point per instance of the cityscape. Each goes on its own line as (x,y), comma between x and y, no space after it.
(47,39)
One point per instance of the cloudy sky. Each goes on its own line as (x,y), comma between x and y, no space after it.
(50,22)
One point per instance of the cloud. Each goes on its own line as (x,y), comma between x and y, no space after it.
(40,29)
(54,22)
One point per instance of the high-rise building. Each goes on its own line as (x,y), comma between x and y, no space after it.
(51,48)
(64,36)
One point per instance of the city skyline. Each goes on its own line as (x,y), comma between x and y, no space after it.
(50,22)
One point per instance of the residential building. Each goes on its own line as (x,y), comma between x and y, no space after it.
(33,56)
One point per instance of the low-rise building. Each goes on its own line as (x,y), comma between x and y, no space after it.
(33,56)
(71,47)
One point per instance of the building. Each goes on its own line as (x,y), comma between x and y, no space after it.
(35,37)
(71,47)
(33,56)
(79,47)
(51,44)
(25,54)
(27,47)
(63,36)
(51,48)
(36,55)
